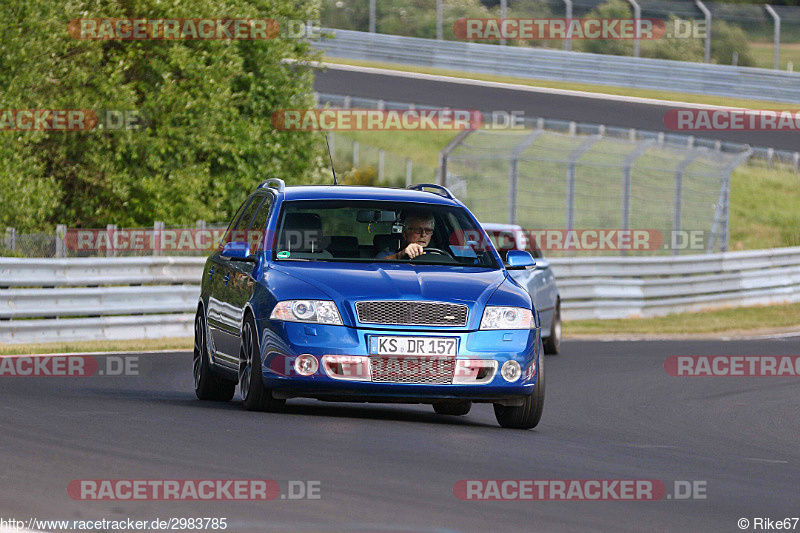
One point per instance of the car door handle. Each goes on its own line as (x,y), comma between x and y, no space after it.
(226,279)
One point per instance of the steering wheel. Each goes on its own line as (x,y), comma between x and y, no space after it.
(435,251)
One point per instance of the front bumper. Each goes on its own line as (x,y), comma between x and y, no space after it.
(282,342)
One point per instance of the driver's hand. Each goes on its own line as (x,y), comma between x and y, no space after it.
(413,250)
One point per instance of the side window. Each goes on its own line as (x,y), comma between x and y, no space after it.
(227,238)
(238,232)
(255,235)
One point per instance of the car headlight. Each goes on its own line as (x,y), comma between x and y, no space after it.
(316,311)
(497,317)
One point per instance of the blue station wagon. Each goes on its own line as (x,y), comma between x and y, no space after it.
(367,294)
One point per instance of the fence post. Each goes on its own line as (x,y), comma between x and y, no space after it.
(158,235)
(571,171)
(61,234)
(503,11)
(111,230)
(408,172)
(439,33)
(707,15)
(11,238)
(568,14)
(445,153)
(627,166)
(381,163)
(513,172)
(676,208)
(372,16)
(637,15)
(777,45)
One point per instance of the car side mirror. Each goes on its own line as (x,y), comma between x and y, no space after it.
(238,251)
(519,260)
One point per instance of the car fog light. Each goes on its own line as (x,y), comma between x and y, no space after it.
(306,365)
(510,371)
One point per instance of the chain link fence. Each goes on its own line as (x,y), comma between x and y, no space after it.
(544,180)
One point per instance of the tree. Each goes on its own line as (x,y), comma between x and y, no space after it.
(207,140)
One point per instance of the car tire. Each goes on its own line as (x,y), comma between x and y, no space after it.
(255,396)
(459,408)
(207,386)
(527,415)
(552,344)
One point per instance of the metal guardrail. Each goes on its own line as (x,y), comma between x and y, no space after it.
(559,65)
(101,299)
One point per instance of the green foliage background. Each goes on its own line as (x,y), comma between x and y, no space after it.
(208,140)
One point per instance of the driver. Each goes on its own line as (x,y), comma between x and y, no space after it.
(417,234)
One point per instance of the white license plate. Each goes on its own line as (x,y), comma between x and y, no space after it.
(436,346)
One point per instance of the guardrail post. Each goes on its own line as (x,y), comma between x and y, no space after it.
(11,239)
(381,162)
(158,235)
(61,234)
(707,15)
(408,172)
(777,45)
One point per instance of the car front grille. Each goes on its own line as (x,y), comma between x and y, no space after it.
(412,369)
(411,313)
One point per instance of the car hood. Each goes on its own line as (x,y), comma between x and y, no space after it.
(349,283)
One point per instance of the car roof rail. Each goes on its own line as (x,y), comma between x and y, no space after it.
(279,184)
(443,189)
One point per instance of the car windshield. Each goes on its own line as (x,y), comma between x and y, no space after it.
(380,231)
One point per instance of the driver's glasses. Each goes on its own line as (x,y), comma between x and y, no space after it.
(421,231)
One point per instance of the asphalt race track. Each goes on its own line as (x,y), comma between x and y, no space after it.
(594,110)
(611,412)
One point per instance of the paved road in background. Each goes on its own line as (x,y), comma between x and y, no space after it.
(534,104)
(611,412)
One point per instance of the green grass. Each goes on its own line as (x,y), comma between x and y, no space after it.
(138,345)
(763,53)
(717,321)
(587,87)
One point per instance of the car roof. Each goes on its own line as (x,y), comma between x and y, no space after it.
(354,192)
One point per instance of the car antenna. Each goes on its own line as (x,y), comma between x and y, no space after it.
(331,158)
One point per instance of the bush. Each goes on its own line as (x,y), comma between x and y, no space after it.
(727,39)
(208,140)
